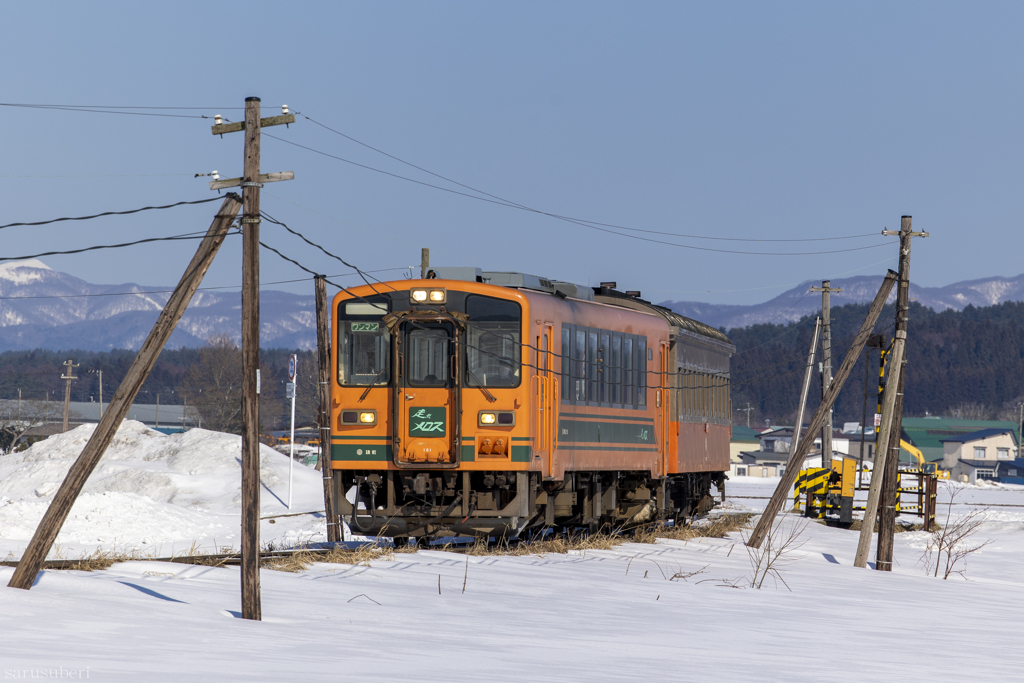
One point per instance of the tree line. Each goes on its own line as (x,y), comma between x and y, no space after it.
(965,364)
(959,364)
(206,380)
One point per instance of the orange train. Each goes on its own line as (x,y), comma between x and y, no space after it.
(496,404)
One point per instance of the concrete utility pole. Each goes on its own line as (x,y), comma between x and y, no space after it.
(1020,430)
(875,341)
(826,290)
(251,181)
(806,387)
(424,262)
(746,410)
(70,375)
(887,513)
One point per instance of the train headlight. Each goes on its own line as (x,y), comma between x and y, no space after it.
(438,296)
(354,417)
(497,418)
(419,295)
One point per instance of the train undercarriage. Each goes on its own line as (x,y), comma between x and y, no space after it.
(435,504)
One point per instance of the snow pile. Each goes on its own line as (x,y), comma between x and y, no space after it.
(150,489)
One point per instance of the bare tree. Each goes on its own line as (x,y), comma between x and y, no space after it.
(954,539)
(15,420)
(213,386)
(970,411)
(776,552)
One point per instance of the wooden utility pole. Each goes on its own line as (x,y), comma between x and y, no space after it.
(798,455)
(32,560)
(100,373)
(826,290)
(887,514)
(251,181)
(323,348)
(251,604)
(67,377)
(424,262)
(883,453)
(806,387)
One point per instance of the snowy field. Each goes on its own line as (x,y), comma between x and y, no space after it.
(597,616)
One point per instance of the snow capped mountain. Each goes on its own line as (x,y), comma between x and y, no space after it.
(44,308)
(798,302)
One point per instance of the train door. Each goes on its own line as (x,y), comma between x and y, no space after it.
(427,410)
(545,394)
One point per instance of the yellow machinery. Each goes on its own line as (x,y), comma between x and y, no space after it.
(828,492)
(928,467)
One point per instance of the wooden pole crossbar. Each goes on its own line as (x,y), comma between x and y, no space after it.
(57,513)
(818,420)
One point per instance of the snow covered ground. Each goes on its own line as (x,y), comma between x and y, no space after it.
(160,494)
(607,615)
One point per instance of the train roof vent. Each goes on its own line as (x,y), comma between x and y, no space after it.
(510,279)
(573,290)
(465,274)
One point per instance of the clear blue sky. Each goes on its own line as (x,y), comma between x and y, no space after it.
(742,120)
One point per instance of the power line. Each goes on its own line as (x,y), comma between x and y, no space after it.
(103,109)
(571,218)
(107,175)
(110,213)
(592,226)
(186,236)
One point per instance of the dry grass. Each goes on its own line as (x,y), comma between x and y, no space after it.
(719,527)
(303,559)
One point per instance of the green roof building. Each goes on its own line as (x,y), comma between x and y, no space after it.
(927,433)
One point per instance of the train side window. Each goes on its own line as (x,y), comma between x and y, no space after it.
(580,366)
(615,370)
(566,345)
(641,367)
(592,366)
(603,369)
(364,344)
(493,349)
(627,371)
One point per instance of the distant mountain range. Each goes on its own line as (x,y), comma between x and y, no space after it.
(796,303)
(44,308)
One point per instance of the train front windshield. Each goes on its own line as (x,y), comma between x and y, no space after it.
(364,344)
